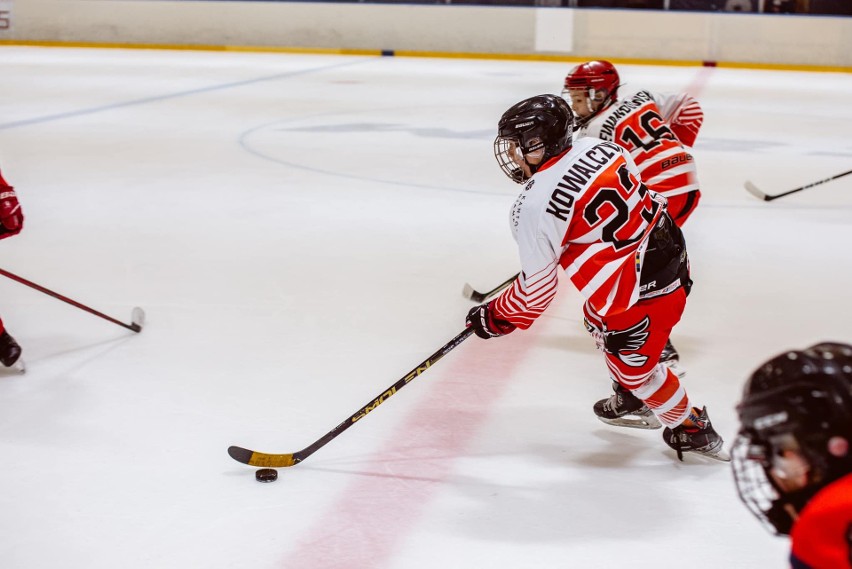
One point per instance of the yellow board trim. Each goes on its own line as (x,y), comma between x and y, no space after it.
(435,54)
(180,47)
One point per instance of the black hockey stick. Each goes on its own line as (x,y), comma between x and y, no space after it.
(477,296)
(756,192)
(137,317)
(254,458)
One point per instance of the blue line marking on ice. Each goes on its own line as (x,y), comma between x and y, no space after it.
(102,108)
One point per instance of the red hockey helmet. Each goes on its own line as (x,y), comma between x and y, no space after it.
(599,75)
(599,80)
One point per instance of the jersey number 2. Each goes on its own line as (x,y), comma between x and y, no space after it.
(622,211)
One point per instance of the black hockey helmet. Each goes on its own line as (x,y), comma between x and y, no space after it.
(530,133)
(796,431)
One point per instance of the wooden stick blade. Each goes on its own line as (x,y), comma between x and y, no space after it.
(755,191)
(253,458)
(137,319)
(469,293)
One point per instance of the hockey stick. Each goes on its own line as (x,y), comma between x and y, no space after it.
(254,458)
(137,317)
(477,296)
(756,192)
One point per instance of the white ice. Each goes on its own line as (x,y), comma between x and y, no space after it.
(298,229)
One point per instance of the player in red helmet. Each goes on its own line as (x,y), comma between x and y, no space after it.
(656,129)
(792,459)
(585,210)
(594,85)
(11,223)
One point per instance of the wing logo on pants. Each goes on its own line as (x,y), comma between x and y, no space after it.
(619,342)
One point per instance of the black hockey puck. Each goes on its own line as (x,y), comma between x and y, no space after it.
(266,475)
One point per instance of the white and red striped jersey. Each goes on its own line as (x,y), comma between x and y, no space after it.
(588,212)
(654,128)
(683,114)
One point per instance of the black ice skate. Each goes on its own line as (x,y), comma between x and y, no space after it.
(701,439)
(623,409)
(671,359)
(10,351)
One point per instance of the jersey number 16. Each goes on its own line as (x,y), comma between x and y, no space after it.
(645,132)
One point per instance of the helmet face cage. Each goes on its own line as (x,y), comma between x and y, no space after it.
(508,152)
(775,481)
(794,407)
(754,486)
(540,127)
(776,474)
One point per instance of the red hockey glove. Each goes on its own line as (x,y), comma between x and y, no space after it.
(485,325)
(11,216)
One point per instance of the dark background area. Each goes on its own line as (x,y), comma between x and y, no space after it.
(818,7)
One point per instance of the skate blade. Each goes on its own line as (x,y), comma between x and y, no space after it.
(634,421)
(719,454)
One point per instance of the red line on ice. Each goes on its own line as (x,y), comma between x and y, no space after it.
(375,513)
(696,86)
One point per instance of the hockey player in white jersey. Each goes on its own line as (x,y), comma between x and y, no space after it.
(656,129)
(585,209)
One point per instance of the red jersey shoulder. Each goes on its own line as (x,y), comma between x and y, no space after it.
(821,536)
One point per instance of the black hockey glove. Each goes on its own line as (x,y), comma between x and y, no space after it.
(485,325)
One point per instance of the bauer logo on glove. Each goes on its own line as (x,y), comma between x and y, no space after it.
(485,325)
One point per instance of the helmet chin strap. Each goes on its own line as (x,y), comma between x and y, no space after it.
(521,157)
(539,155)
(604,103)
(590,101)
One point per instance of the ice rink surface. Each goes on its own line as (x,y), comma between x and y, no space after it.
(298,229)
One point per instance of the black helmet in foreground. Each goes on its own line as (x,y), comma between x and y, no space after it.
(530,133)
(795,431)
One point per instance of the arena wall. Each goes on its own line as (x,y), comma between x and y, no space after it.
(440,29)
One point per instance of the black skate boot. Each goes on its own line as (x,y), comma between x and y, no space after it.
(623,409)
(671,359)
(701,439)
(10,351)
